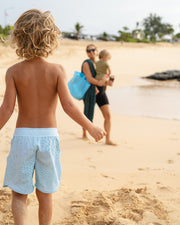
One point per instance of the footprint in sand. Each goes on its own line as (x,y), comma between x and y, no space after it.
(99,151)
(174,139)
(88,159)
(154,223)
(164,188)
(92,166)
(106,176)
(144,169)
(170,161)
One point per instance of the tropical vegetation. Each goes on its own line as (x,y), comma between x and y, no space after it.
(151,29)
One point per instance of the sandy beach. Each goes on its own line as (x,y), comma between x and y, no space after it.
(136,182)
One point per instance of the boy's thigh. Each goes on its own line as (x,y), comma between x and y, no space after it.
(47,165)
(20,165)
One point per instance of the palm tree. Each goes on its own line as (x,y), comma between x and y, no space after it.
(104,36)
(125,29)
(78,29)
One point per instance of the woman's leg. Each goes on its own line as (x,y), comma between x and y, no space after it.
(105,109)
(84,136)
(45,207)
(19,208)
(89,105)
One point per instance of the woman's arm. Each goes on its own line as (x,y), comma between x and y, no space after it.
(89,77)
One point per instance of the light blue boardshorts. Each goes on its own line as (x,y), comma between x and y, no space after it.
(34,149)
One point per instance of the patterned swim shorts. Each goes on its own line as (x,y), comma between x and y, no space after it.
(34,150)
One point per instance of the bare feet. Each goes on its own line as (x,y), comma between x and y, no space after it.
(110,143)
(84,136)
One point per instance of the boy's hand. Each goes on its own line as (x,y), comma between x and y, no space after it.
(97,133)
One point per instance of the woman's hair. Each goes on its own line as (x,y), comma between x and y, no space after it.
(35,34)
(104,54)
(89,46)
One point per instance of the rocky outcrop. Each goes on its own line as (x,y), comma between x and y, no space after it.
(166,75)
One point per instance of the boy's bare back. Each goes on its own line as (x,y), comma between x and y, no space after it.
(36,83)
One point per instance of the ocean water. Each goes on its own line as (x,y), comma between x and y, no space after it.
(158,99)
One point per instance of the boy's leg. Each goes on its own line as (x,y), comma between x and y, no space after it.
(45,207)
(19,208)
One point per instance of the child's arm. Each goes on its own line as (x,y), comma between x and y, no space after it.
(107,76)
(72,110)
(8,104)
(108,71)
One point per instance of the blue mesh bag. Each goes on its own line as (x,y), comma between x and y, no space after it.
(78,85)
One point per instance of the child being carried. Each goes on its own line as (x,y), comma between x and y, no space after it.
(103,70)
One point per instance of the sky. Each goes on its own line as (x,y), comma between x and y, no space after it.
(97,16)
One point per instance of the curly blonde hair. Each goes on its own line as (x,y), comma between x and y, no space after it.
(104,54)
(35,34)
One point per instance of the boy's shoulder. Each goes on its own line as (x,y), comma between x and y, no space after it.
(58,68)
(13,69)
(20,66)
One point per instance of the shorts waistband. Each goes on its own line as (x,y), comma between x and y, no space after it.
(36,132)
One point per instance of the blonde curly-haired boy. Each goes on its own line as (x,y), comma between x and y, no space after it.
(37,84)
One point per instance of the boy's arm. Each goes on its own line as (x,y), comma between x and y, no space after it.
(108,71)
(8,104)
(72,110)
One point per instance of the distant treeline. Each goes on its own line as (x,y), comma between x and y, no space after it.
(151,29)
(5,31)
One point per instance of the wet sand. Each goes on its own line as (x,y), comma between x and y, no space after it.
(157,99)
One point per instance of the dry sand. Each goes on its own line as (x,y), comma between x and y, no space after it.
(136,182)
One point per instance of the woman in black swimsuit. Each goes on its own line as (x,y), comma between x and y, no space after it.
(90,98)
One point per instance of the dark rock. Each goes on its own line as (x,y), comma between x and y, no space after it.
(167,75)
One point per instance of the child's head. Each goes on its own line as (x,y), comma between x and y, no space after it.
(35,34)
(104,55)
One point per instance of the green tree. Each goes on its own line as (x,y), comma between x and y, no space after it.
(104,36)
(78,29)
(176,37)
(4,32)
(137,25)
(125,29)
(1,30)
(124,36)
(7,29)
(154,27)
